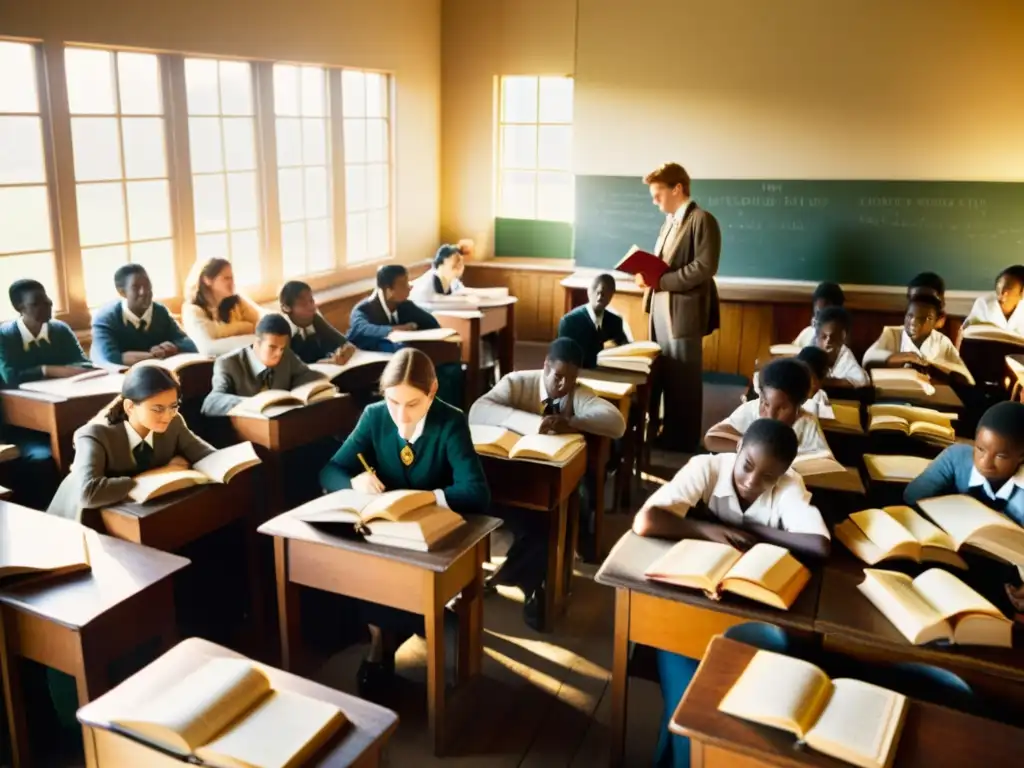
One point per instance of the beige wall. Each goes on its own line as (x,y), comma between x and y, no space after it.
(399,36)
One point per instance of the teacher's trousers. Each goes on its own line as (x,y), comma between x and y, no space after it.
(680,381)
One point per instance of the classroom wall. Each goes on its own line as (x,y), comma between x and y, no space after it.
(399,36)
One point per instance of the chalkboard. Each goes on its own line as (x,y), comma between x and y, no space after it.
(865,232)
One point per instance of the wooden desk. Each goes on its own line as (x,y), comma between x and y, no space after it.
(419,582)
(850,624)
(81,623)
(932,736)
(1015,376)
(551,489)
(642,420)
(674,619)
(943,399)
(196,380)
(360,743)
(472,325)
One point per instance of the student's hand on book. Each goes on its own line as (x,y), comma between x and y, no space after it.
(158,351)
(639,280)
(555,425)
(367,482)
(1016,595)
(64,371)
(734,537)
(906,358)
(344,354)
(179,462)
(169,348)
(404,327)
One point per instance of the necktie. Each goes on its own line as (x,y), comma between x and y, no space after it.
(143,453)
(266,376)
(142,326)
(550,407)
(394,318)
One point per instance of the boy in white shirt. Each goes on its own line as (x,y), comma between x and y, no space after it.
(916,343)
(831,327)
(785,385)
(825,295)
(1003,308)
(817,404)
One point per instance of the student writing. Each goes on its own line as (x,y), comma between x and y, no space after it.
(825,295)
(135,327)
(917,343)
(593,325)
(216,318)
(267,363)
(312,339)
(831,328)
(140,430)
(1001,308)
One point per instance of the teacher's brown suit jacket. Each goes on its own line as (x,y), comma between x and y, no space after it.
(691,252)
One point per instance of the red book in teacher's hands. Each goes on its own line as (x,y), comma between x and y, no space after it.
(638,262)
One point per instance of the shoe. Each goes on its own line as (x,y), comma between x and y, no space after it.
(374,678)
(533,610)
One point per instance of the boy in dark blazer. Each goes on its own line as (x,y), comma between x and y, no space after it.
(135,328)
(312,338)
(387,309)
(593,324)
(268,364)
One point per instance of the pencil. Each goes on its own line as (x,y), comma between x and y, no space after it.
(366,466)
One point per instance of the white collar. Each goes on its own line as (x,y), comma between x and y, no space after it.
(680,213)
(134,439)
(593,316)
(383,303)
(1004,493)
(299,330)
(907,344)
(134,319)
(26,335)
(255,364)
(417,431)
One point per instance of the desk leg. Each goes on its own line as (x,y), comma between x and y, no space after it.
(13,701)
(507,342)
(89,672)
(257,608)
(600,481)
(647,430)
(433,622)
(470,608)
(287,607)
(471,357)
(620,680)
(555,586)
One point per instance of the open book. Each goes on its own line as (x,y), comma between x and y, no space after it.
(634,356)
(784,350)
(404,519)
(950,367)
(178,362)
(902,381)
(765,572)
(847,719)
(428,334)
(606,387)
(360,358)
(845,418)
(23,557)
(226,714)
(926,423)
(99,381)
(986,332)
(936,606)
(896,532)
(888,468)
(311,392)
(219,467)
(968,521)
(817,463)
(496,441)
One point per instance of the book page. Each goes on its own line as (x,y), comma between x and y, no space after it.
(894,595)
(885,531)
(963,516)
(485,436)
(894,469)
(391,505)
(911,413)
(359,358)
(648,349)
(860,545)
(925,429)
(429,334)
(817,463)
(860,724)
(553,447)
(194,710)
(342,506)
(986,332)
(224,464)
(708,561)
(888,421)
(779,691)
(605,388)
(950,596)
(257,403)
(178,362)
(309,390)
(157,482)
(22,550)
(847,415)
(929,535)
(769,565)
(784,350)
(905,379)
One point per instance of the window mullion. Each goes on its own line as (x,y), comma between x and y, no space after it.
(271,252)
(179,166)
(336,158)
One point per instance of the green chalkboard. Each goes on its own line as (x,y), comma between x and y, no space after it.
(864,232)
(529,237)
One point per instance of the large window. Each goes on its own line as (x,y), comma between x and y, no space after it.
(26,231)
(222,151)
(120,159)
(535,149)
(365,97)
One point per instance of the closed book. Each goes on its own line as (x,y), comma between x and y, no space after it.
(637,262)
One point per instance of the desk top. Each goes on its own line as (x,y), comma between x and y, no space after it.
(844,611)
(120,570)
(439,560)
(944,397)
(368,723)
(630,557)
(932,735)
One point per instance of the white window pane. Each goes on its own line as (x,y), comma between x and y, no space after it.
(98,267)
(355,188)
(144,149)
(21,150)
(355,141)
(353,93)
(245,256)
(554,147)
(138,75)
(319,245)
(289,142)
(101,214)
(210,203)
(201,86)
(24,220)
(518,146)
(213,247)
(317,193)
(356,236)
(290,191)
(158,259)
(286,90)
(314,141)
(18,84)
(555,196)
(376,141)
(519,99)
(376,95)
(518,199)
(239,144)
(204,144)
(34,266)
(377,234)
(236,88)
(555,100)
(376,186)
(314,92)
(149,210)
(243,201)
(97,148)
(293,248)
(90,76)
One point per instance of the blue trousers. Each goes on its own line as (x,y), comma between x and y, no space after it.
(675,672)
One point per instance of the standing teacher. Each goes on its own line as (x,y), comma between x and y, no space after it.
(683,306)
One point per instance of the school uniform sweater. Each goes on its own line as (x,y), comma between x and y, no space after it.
(113,334)
(580,326)
(18,364)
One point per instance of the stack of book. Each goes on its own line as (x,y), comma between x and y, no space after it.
(636,356)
